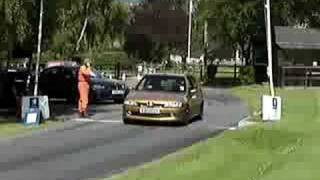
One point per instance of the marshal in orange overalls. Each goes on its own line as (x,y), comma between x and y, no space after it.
(83,86)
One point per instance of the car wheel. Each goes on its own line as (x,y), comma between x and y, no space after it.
(118,101)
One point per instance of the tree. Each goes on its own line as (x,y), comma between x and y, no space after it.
(166,25)
(293,12)
(89,25)
(233,22)
(14,28)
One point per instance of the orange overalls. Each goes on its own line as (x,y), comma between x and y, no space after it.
(83,86)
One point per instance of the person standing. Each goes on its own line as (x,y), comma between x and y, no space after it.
(84,75)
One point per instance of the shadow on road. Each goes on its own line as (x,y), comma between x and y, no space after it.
(164,124)
(65,110)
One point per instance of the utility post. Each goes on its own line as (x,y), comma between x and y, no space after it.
(271,105)
(269,42)
(205,47)
(189,30)
(39,50)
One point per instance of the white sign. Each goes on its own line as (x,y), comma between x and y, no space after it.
(271,108)
(43,106)
(32,118)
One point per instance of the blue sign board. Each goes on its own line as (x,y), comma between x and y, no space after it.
(33,114)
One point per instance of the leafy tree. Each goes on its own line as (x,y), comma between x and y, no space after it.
(149,47)
(233,22)
(89,25)
(14,28)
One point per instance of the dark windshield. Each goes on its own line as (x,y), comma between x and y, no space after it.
(97,74)
(162,83)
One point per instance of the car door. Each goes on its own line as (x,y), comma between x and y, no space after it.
(52,82)
(70,81)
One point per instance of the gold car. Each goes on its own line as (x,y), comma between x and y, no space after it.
(164,98)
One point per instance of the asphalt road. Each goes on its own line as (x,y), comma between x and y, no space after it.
(84,150)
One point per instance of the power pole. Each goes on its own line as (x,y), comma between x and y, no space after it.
(189,29)
(39,50)
(205,45)
(269,42)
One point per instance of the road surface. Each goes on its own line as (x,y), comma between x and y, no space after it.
(104,146)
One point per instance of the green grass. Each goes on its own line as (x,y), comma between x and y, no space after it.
(289,149)
(252,96)
(226,72)
(9,128)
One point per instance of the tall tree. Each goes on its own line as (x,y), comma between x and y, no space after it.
(14,27)
(233,22)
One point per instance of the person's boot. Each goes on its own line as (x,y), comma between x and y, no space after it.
(86,115)
(81,114)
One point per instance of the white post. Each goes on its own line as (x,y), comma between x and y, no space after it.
(271,105)
(189,30)
(39,50)
(269,41)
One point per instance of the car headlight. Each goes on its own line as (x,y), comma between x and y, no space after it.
(130,103)
(173,104)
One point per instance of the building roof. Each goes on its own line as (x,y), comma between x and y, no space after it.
(297,38)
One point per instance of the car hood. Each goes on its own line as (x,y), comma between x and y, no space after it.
(155,96)
(105,81)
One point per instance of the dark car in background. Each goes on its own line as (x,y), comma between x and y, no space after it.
(13,82)
(61,82)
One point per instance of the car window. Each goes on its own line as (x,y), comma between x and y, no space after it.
(52,72)
(70,72)
(97,73)
(162,83)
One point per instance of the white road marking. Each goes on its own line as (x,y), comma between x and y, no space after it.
(99,121)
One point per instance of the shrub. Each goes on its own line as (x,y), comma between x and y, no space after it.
(247,75)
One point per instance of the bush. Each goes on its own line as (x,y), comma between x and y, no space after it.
(247,75)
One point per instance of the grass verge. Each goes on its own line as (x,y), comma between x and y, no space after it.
(289,149)
(9,127)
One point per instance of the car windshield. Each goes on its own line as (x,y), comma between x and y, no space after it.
(162,83)
(97,73)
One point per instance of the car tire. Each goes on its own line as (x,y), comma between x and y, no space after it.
(118,101)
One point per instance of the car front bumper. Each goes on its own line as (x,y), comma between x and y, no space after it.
(100,95)
(132,113)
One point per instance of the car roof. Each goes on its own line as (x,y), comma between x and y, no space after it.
(62,66)
(167,74)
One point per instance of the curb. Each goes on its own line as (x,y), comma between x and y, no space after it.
(243,123)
